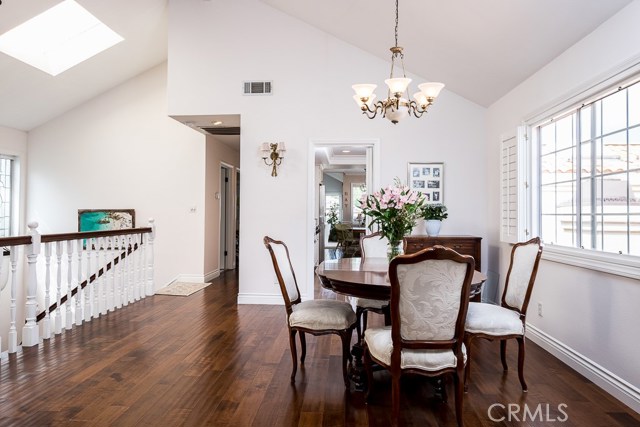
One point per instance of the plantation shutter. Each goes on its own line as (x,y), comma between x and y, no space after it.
(509,189)
(515,192)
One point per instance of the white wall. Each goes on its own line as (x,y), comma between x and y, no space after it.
(312,74)
(120,150)
(594,314)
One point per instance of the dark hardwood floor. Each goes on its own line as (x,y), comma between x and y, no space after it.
(204,361)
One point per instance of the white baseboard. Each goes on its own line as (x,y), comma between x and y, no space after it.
(614,385)
(190,278)
(268,299)
(211,275)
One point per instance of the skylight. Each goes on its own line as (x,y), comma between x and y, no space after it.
(58,38)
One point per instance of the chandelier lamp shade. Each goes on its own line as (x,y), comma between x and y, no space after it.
(397,104)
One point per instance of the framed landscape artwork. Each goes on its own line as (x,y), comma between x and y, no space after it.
(106,219)
(428,178)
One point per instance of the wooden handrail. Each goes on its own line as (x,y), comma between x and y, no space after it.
(26,240)
(92,234)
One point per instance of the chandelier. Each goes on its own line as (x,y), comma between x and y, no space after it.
(397,104)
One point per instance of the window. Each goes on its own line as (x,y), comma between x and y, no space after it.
(588,177)
(6,195)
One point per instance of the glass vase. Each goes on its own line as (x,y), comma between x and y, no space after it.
(394,249)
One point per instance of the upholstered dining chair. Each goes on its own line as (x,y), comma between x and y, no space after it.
(371,246)
(316,317)
(507,320)
(429,300)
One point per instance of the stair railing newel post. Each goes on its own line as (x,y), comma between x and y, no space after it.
(79,281)
(12,337)
(30,332)
(57,315)
(46,322)
(68,317)
(149,254)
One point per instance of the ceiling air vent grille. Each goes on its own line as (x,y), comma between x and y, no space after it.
(222,130)
(257,88)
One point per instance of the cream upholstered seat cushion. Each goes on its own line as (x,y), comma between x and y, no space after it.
(322,314)
(492,319)
(380,346)
(368,303)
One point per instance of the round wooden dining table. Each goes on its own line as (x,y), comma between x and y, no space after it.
(370,279)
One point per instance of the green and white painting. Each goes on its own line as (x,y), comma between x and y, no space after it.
(105,219)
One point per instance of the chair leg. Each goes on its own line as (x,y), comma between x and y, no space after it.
(521,363)
(346,354)
(457,380)
(503,354)
(292,344)
(303,346)
(368,367)
(395,398)
(467,368)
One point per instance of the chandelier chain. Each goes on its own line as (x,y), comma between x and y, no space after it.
(396,22)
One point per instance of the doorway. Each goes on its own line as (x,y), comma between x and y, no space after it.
(340,158)
(227,219)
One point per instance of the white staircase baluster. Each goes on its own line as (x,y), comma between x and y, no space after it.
(46,322)
(136,267)
(102,284)
(88,290)
(149,257)
(132,269)
(30,331)
(111,280)
(68,318)
(57,315)
(143,265)
(127,270)
(79,283)
(13,333)
(122,267)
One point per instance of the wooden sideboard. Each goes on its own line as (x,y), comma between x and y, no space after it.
(466,245)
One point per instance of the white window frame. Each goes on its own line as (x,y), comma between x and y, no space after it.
(617,264)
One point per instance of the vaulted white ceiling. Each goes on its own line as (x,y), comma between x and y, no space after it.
(479,49)
(30,97)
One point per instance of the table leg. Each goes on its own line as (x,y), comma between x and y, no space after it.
(357,373)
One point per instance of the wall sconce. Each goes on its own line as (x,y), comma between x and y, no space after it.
(275,152)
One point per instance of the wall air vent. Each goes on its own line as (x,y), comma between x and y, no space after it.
(257,88)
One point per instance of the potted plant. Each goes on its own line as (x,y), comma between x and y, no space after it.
(332,220)
(433,215)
